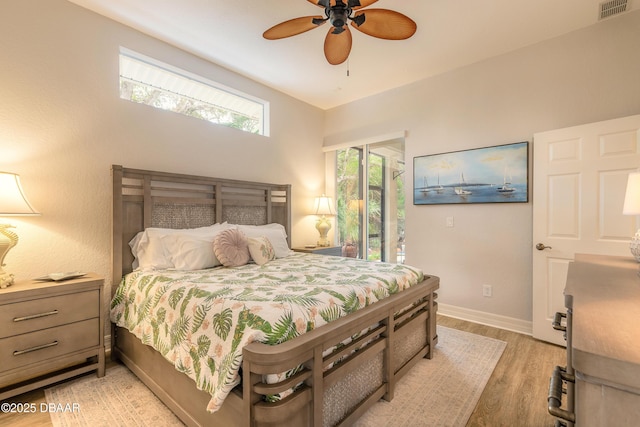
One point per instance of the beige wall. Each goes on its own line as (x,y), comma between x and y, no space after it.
(581,77)
(62,126)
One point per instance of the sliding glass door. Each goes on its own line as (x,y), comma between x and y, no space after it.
(376,212)
(349,200)
(370,201)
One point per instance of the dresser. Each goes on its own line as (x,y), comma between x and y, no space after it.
(602,377)
(50,331)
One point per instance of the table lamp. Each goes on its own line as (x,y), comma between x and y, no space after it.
(12,203)
(632,207)
(323,207)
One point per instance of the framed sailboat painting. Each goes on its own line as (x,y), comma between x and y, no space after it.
(498,174)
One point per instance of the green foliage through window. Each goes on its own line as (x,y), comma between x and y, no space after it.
(349,195)
(385,222)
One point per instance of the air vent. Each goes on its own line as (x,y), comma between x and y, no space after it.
(611,8)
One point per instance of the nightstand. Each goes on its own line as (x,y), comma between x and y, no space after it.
(49,332)
(322,250)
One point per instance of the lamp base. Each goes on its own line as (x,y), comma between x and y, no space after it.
(8,239)
(634,246)
(6,279)
(323,226)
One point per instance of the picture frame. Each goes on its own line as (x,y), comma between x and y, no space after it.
(496,174)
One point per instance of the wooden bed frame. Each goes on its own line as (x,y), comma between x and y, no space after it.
(402,328)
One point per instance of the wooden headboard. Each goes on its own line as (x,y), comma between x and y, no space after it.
(143,199)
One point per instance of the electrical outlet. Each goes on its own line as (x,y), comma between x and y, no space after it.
(449,221)
(487,290)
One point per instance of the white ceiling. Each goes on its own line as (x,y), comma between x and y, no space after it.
(451,34)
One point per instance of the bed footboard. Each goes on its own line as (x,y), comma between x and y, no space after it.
(400,330)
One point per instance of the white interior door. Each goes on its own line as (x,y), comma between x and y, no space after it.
(579,180)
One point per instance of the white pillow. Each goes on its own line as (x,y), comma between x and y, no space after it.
(150,252)
(147,249)
(274,232)
(190,252)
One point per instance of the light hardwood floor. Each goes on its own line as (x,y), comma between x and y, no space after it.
(516,394)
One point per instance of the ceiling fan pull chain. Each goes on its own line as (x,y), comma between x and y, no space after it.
(347,67)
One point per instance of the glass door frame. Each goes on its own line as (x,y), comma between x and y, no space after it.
(389,174)
(382,190)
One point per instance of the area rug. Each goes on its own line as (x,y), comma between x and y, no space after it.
(439,392)
(443,391)
(115,400)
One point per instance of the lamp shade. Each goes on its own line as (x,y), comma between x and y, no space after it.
(323,206)
(12,199)
(632,195)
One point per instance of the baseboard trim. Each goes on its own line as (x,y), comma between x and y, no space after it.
(489,319)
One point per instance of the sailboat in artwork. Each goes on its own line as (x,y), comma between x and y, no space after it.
(439,188)
(506,186)
(425,189)
(459,190)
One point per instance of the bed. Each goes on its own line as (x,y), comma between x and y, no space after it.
(328,375)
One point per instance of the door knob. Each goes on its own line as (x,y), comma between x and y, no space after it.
(542,247)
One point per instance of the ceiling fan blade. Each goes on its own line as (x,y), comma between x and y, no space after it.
(359,4)
(384,24)
(293,27)
(337,46)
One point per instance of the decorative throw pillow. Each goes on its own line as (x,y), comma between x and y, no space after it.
(231,248)
(274,232)
(261,250)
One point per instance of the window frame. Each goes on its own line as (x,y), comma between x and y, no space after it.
(202,82)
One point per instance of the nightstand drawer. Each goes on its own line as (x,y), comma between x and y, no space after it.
(22,350)
(36,314)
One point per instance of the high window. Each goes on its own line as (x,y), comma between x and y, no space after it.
(147,81)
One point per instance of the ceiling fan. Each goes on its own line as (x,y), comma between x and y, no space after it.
(381,23)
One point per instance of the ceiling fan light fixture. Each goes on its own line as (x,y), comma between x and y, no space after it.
(338,16)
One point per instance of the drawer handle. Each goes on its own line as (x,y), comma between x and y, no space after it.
(557,322)
(35,316)
(36,348)
(555,394)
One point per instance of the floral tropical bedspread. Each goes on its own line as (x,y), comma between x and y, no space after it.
(200,320)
